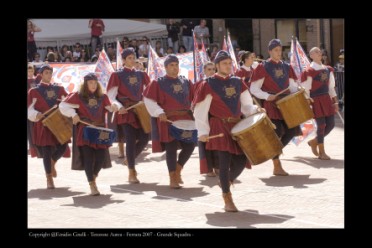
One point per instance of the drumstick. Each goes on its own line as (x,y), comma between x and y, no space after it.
(133,106)
(169,121)
(215,136)
(49,110)
(280,92)
(112,117)
(86,123)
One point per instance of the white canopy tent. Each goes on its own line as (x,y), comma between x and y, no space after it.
(56,32)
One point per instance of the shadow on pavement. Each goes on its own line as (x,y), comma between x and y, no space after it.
(243,219)
(162,192)
(296,181)
(48,194)
(318,163)
(88,201)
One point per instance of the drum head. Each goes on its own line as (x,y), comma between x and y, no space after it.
(184,124)
(247,122)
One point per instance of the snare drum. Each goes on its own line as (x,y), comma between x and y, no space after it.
(99,135)
(143,116)
(184,130)
(59,125)
(295,109)
(257,138)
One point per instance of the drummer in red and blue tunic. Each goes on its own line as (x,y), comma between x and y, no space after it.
(40,99)
(89,104)
(269,78)
(169,98)
(246,69)
(125,89)
(220,103)
(319,81)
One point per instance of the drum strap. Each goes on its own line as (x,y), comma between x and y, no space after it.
(171,113)
(228,119)
(126,102)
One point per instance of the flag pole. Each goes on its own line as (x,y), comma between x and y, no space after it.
(193,54)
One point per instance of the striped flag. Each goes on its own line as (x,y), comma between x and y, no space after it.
(119,60)
(300,62)
(103,69)
(232,53)
(198,63)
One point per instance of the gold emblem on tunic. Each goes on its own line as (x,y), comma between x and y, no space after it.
(133,80)
(51,94)
(230,91)
(186,134)
(278,73)
(324,77)
(177,88)
(92,102)
(103,135)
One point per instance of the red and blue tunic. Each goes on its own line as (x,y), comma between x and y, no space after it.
(47,96)
(91,110)
(225,103)
(276,78)
(245,75)
(131,84)
(319,91)
(172,95)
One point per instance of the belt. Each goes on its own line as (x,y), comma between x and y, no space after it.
(170,113)
(228,119)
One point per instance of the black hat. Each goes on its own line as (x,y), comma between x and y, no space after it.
(170,58)
(221,55)
(45,67)
(90,76)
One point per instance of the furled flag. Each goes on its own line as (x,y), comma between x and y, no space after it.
(119,60)
(154,68)
(203,54)
(300,62)
(198,65)
(103,69)
(232,53)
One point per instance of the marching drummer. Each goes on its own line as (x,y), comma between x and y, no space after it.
(208,159)
(89,105)
(169,98)
(41,99)
(125,89)
(319,80)
(220,102)
(246,70)
(269,78)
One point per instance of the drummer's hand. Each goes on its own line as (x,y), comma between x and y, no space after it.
(336,107)
(261,110)
(39,116)
(163,117)
(122,110)
(271,98)
(203,138)
(114,107)
(75,119)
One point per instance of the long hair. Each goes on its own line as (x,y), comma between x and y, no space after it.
(84,92)
(245,55)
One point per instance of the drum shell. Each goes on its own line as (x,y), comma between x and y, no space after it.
(98,136)
(59,125)
(295,109)
(259,141)
(143,117)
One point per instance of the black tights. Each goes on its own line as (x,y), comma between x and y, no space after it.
(48,156)
(325,126)
(171,153)
(134,148)
(284,133)
(92,160)
(231,166)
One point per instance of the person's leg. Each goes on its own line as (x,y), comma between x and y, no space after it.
(130,139)
(171,158)
(47,161)
(237,166)
(186,151)
(224,163)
